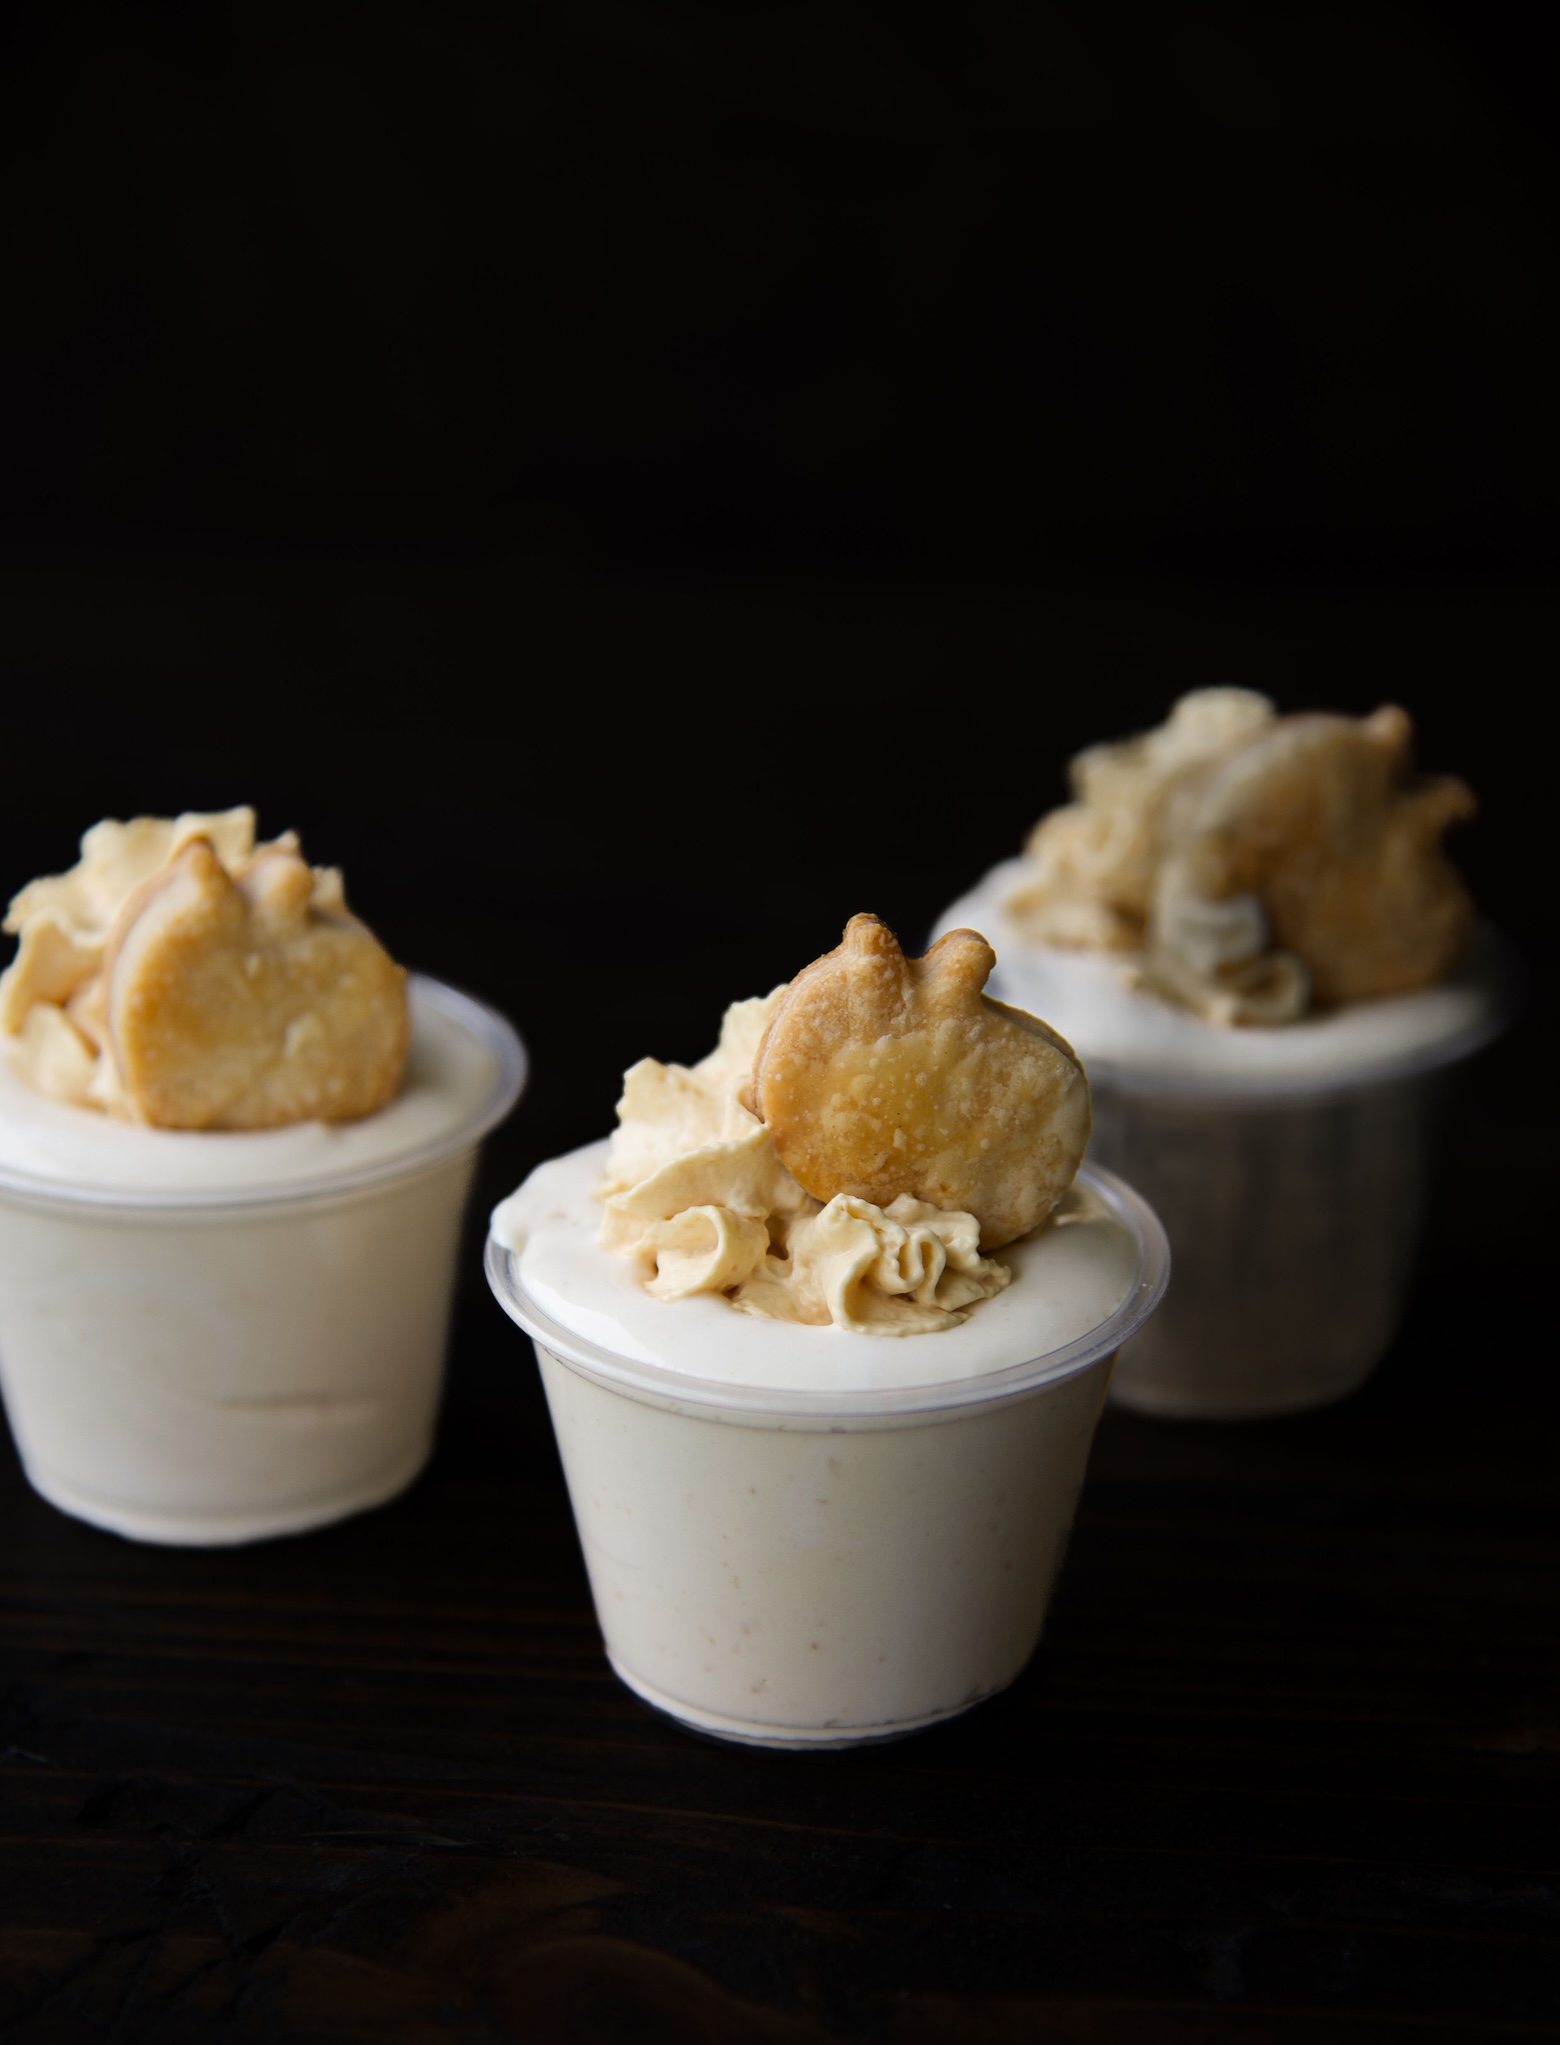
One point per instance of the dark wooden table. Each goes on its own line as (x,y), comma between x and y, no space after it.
(1285,1762)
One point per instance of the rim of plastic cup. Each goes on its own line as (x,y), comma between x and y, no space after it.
(1163,1082)
(656,1384)
(1259,1087)
(984,904)
(493,1030)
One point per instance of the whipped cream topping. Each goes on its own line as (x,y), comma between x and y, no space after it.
(463,1073)
(1065,1280)
(1261,865)
(51,993)
(182,975)
(1089,878)
(697,1200)
(1126,1036)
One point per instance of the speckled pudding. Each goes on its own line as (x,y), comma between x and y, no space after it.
(803,1537)
(1289,1165)
(208,1336)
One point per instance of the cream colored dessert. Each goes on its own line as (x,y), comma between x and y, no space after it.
(881,1079)
(696,1196)
(1130,1037)
(803,1536)
(233,1160)
(1260,865)
(1058,1284)
(1247,926)
(55,1148)
(803,1583)
(798,1533)
(211,1336)
(182,975)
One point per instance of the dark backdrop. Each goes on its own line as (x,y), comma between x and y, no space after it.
(984,287)
(636,483)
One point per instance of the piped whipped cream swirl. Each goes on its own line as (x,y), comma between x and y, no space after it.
(695,1194)
(1258,865)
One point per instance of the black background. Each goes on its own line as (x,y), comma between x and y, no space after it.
(634,485)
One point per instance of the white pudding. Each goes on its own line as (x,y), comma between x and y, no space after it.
(212,1337)
(1290,1165)
(52,1147)
(799,1536)
(1134,1040)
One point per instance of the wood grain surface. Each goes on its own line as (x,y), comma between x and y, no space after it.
(1286,1759)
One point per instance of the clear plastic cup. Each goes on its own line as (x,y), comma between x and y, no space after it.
(206,1367)
(820,1569)
(1295,1214)
(1291,1167)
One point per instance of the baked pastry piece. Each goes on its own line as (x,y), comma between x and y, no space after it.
(1316,841)
(1258,863)
(249,1003)
(1094,861)
(182,976)
(882,1076)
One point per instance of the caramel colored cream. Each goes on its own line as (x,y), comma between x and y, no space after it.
(1259,866)
(696,1197)
(184,977)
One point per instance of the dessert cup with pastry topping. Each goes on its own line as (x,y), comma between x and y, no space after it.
(235,1145)
(1247,925)
(825,1329)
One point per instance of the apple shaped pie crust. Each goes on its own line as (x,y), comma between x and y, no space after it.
(883,1076)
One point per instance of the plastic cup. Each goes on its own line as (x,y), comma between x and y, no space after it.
(1291,1167)
(821,1569)
(213,1367)
(1295,1217)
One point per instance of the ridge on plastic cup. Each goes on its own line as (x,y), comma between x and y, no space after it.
(813,1569)
(209,1366)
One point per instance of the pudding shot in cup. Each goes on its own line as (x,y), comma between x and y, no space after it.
(1280,1110)
(823,1453)
(214,1334)
(794,1539)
